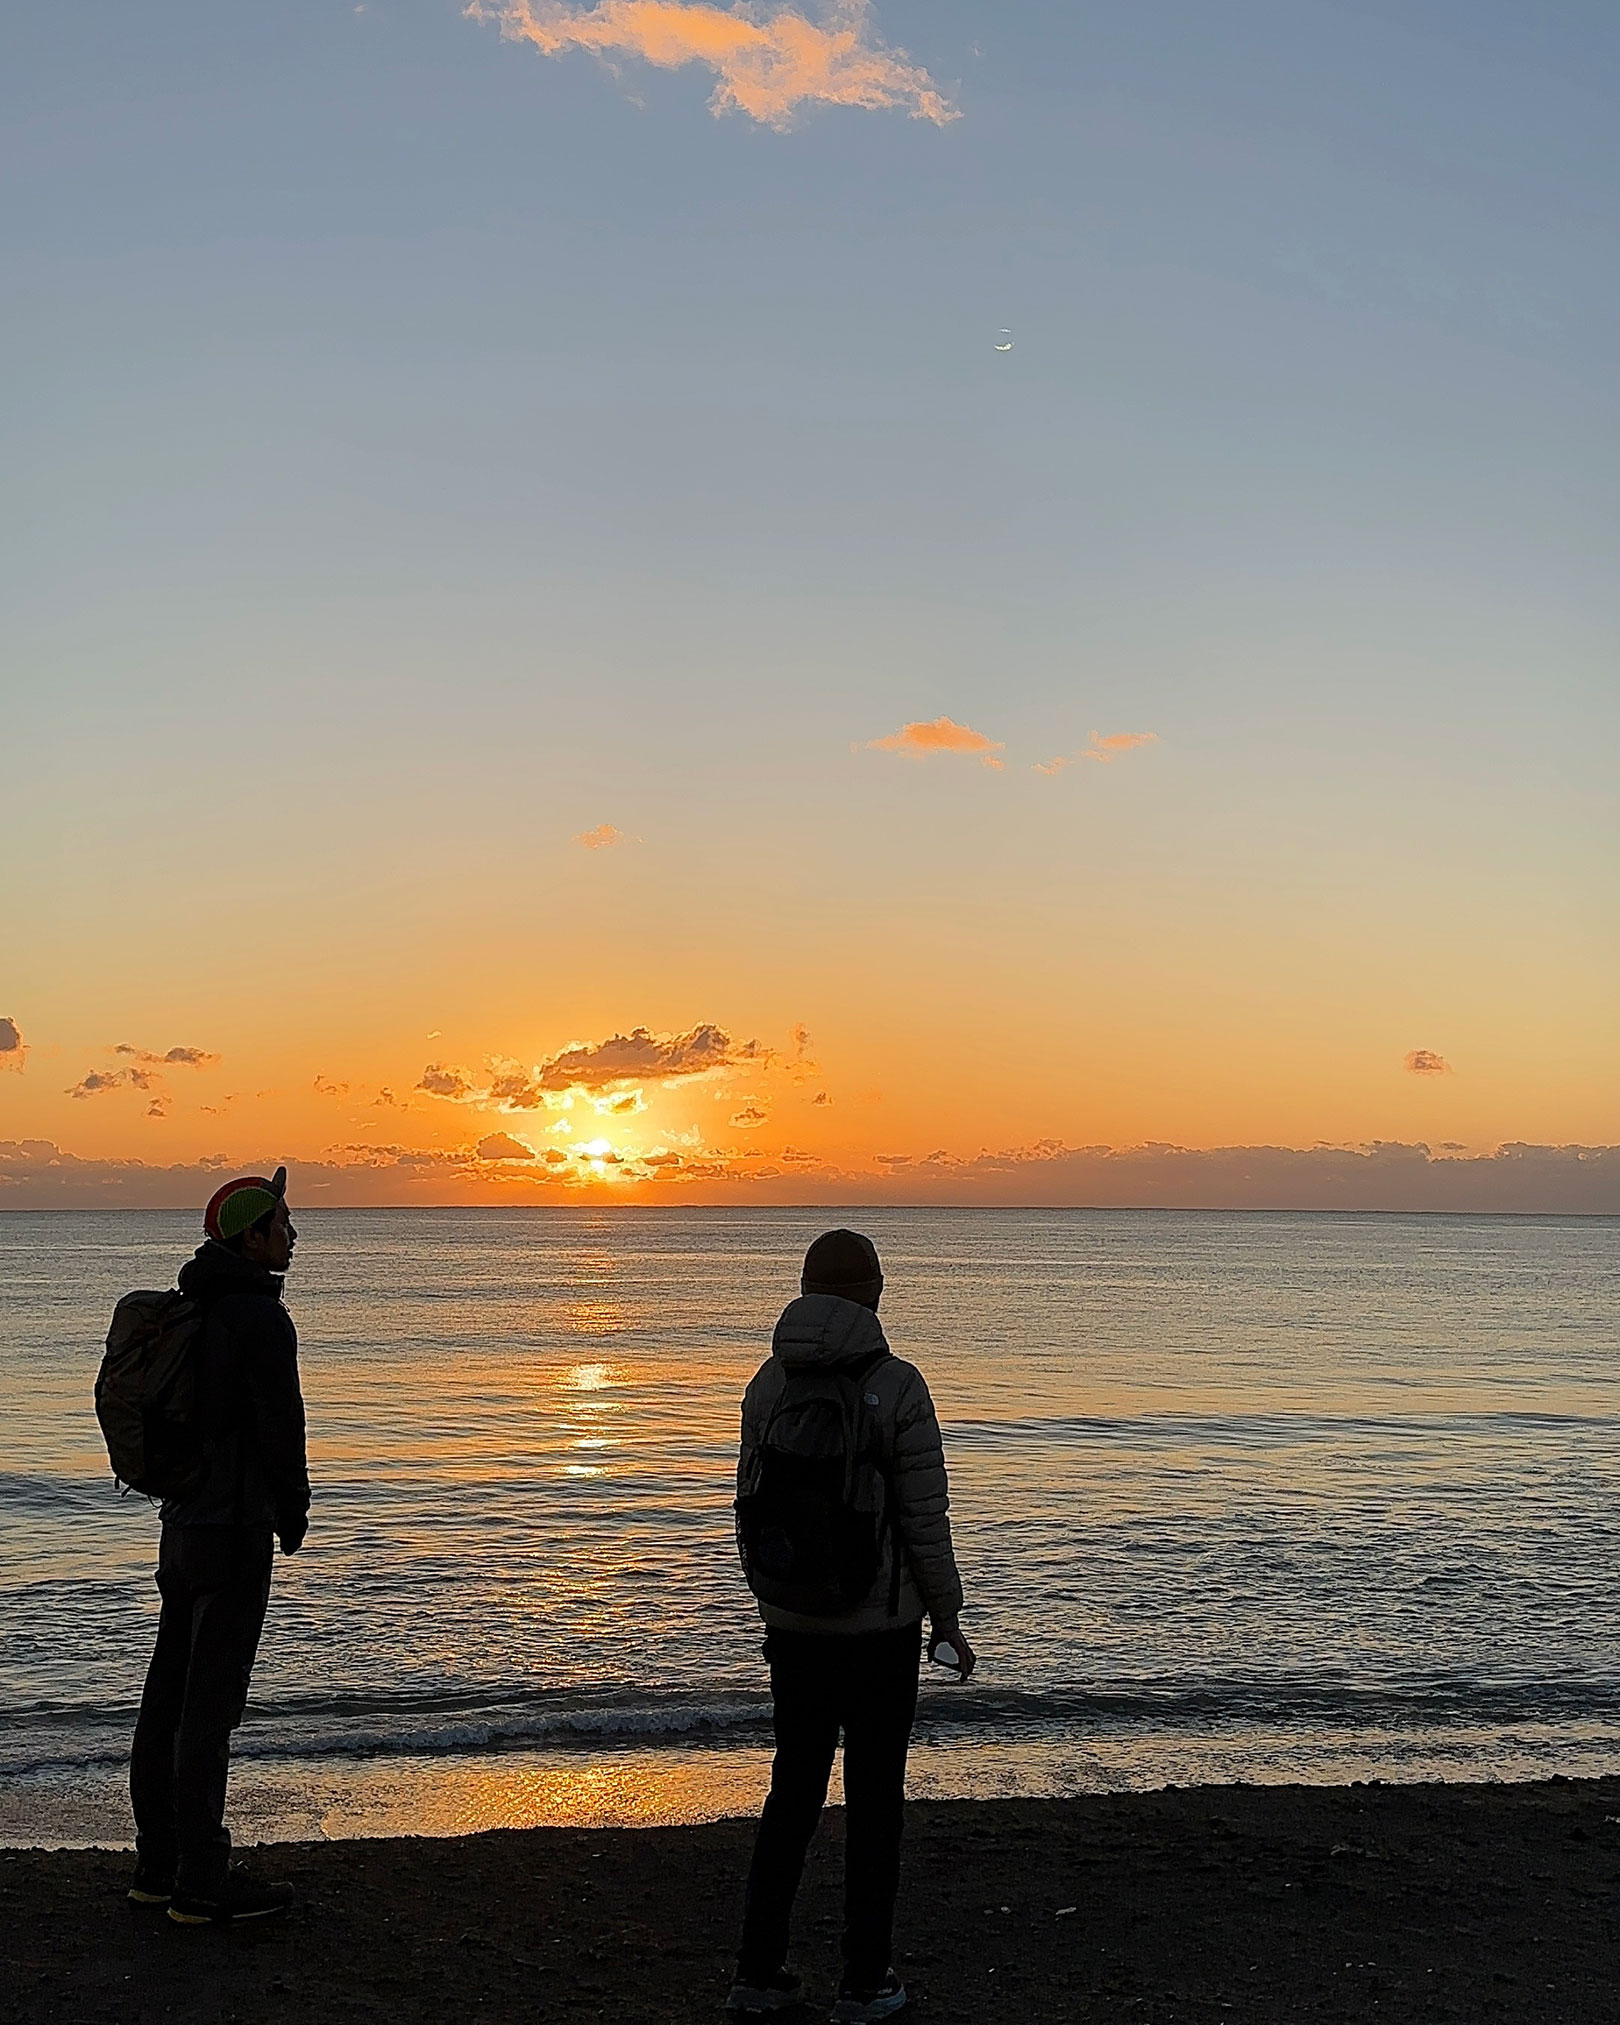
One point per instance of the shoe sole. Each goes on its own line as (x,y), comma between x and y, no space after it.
(148,1897)
(764,2005)
(190,1919)
(863,2014)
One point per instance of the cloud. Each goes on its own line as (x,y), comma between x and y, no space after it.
(1514,1179)
(643,1056)
(1103,750)
(141,1073)
(513,1087)
(608,1072)
(502,1146)
(769,59)
(821,1097)
(325,1087)
(100,1081)
(940,734)
(440,1080)
(1425,1062)
(13,1048)
(176,1058)
(801,1042)
(603,838)
(750,1118)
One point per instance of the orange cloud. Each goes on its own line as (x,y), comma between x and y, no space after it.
(1514,1178)
(769,59)
(602,838)
(502,1146)
(641,1055)
(141,1073)
(750,1117)
(1104,750)
(13,1048)
(940,734)
(1425,1062)
(440,1080)
(616,1064)
(175,1058)
(101,1080)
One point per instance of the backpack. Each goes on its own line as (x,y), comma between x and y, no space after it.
(810,1525)
(146,1394)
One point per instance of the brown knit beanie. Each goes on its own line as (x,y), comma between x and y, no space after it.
(843,1262)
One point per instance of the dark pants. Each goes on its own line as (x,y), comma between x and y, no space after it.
(215,1585)
(820,1683)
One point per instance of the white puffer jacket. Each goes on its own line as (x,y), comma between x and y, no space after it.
(822,1330)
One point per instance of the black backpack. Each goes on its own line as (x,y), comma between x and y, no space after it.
(811,1524)
(146,1394)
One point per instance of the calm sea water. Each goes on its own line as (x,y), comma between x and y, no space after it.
(1256,1496)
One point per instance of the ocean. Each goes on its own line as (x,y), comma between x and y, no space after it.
(1259,1497)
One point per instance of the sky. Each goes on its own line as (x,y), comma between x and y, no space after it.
(853,601)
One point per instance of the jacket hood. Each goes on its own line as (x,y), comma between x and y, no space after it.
(216,1271)
(827,1330)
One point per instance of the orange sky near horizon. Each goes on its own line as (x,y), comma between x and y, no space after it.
(596,1021)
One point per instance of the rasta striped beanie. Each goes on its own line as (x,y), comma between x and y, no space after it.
(242,1202)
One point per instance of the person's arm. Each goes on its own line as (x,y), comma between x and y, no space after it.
(748,1452)
(271,1372)
(923,1502)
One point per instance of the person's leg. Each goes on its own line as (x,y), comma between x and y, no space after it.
(227,1570)
(806,1726)
(879,1703)
(151,1757)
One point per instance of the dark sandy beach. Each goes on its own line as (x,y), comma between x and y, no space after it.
(1247,1903)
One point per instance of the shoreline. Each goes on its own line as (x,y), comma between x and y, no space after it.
(287,1796)
(1255,1903)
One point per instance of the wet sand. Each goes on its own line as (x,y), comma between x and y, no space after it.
(1234,1903)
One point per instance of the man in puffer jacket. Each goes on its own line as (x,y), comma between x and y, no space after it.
(857,1671)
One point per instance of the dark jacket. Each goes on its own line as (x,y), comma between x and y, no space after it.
(821,1329)
(249,1405)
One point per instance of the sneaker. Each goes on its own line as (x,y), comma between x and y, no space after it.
(859,2007)
(152,1884)
(754,1996)
(238,1897)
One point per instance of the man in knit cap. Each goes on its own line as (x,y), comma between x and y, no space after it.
(215,1558)
(843,1524)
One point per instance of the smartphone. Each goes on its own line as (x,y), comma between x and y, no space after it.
(946,1654)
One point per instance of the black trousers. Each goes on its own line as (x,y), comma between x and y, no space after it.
(822,1683)
(215,1585)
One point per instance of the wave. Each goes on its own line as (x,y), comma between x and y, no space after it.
(46,1739)
(1265,1430)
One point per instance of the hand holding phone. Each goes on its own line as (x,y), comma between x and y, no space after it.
(948,1648)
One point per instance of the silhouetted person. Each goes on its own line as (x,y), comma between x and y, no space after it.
(215,1558)
(843,1525)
